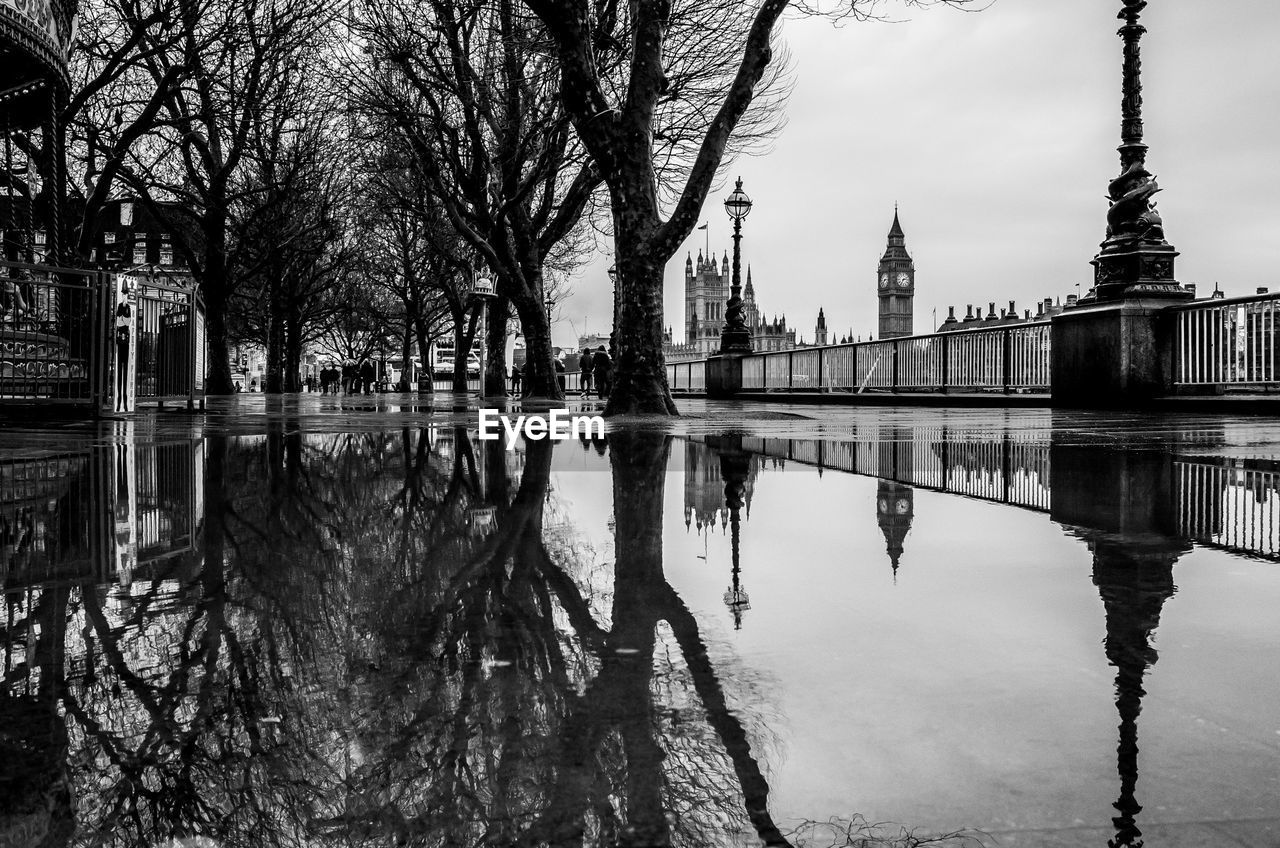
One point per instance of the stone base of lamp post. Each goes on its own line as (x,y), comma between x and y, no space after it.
(724,374)
(735,340)
(1129,268)
(1113,354)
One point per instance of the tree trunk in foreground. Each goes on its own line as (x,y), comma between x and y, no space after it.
(639,373)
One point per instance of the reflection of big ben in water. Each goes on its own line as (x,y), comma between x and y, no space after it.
(895,507)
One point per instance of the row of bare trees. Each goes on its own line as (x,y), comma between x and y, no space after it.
(336,175)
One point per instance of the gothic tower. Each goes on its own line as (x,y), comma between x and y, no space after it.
(820,331)
(897,285)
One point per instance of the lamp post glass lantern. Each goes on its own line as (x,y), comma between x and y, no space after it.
(735,337)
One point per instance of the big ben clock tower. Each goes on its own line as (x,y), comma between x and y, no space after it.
(897,285)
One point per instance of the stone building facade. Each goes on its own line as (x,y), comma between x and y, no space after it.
(706,293)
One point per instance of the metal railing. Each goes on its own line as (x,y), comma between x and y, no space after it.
(171,344)
(50,334)
(1222,343)
(1009,358)
(687,376)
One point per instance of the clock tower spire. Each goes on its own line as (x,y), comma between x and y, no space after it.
(896,277)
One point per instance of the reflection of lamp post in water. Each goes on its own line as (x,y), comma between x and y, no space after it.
(733,468)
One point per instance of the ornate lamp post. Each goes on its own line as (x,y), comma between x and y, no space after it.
(735,337)
(1135,260)
(613,330)
(483,290)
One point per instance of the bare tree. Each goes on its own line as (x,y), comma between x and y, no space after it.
(619,118)
(473,90)
(218,67)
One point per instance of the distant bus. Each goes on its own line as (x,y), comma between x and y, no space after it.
(443,357)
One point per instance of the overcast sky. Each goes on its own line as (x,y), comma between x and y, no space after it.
(996,134)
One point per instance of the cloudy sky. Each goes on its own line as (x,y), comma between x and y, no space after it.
(996,134)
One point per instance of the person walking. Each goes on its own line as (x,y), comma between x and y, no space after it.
(602,367)
(368,375)
(516,374)
(559,364)
(584,362)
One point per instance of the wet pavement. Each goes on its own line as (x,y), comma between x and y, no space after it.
(325,620)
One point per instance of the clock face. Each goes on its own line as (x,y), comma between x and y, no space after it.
(902,506)
(903,279)
(884,280)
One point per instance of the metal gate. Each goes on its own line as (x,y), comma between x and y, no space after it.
(170,339)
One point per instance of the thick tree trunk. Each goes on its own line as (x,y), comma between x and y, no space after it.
(424,352)
(292,355)
(218,381)
(495,341)
(217,290)
(275,344)
(639,371)
(538,377)
(407,374)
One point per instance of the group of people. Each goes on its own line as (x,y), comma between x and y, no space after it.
(351,379)
(596,371)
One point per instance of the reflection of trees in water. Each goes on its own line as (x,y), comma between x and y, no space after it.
(377,645)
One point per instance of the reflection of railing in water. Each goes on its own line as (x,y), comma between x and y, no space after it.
(1233,504)
(1230,504)
(98,514)
(1007,471)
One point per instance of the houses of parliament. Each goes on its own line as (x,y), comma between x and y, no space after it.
(706,294)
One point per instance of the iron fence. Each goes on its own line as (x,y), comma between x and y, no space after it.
(1011,358)
(1225,343)
(50,328)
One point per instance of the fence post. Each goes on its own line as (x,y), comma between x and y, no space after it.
(820,371)
(895,347)
(946,362)
(791,370)
(1007,351)
(191,349)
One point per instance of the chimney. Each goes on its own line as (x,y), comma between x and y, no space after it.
(1071,300)
(1262,289)
(991,313)
(1191,287)
(1027,315)
(969,316)
(1013,310)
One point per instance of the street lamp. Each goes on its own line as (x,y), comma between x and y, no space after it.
(735,337)
(483,290)
(1135,260)
(613,331)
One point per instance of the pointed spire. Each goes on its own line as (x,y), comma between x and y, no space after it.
(896,230)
